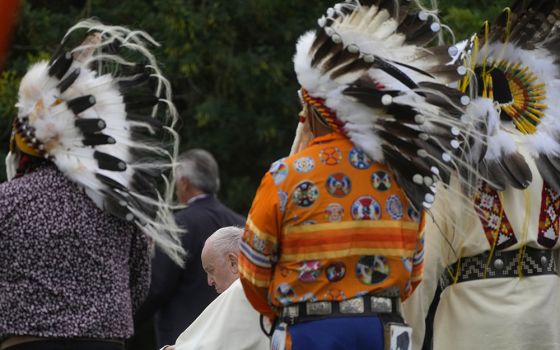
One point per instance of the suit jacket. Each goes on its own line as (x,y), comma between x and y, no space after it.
(177,296)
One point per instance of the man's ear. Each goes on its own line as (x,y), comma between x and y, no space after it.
(232,263)
(184,182)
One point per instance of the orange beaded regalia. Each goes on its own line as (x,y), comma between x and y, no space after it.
(341,223)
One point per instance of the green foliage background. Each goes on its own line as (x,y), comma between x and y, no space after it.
(229,62)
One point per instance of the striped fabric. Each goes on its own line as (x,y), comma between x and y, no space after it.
(328,224)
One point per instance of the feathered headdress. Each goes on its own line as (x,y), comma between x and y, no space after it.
(368,73)
(102,113)
(514,61)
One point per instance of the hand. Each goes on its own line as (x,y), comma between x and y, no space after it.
(168,347)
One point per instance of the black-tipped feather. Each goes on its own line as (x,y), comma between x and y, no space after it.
(114,206)
(423,36)
(408,153)
(97,139)
(68,80)
(394,72)
(399,129)
(448,98)
(433,150)
(417,70)
(80,104)
(391,6)
(111,183)
(414,192)
(339,58)
(411,24)
(404,147)
(352,67)
(548,172)
(144,185)
(516,170)
(368,96)
(90,126)
(404,9)
(60,65)
(554,161)
(403,113)
(325,49)
(113,47)
(109,162)
(492,170)
(141,101)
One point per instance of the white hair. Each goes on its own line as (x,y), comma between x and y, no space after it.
(200,168)
(226,240)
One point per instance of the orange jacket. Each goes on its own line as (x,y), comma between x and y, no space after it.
(328,224)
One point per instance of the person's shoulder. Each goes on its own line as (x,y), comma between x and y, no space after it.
(321,151)
(280,165)
(192,214)
(194,208)
(237,219)
(183,214)
(39,182)
(35,190)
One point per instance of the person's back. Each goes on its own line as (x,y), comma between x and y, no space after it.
(330,225)
(67,268)
(498,277)
(494,254)
(83,203)
(334,238)
(344,225)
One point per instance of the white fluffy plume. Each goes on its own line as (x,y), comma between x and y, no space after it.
(74,111)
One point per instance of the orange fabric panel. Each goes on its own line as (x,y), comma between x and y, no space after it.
(328,224)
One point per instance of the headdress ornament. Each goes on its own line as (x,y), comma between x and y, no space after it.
(514,62)
(368,72)
(102,113)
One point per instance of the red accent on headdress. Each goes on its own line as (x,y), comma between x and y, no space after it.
(328,114)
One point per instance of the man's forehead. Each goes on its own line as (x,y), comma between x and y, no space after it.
(208,255)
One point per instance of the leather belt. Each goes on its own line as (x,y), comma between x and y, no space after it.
(17,340)
(535,262)
(11,341)
(366,305)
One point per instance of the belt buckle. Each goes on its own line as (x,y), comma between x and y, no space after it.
(381,305)
(318,308)
(352,306)
(291,311)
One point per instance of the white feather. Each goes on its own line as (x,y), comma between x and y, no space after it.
(542,63)
(54,125)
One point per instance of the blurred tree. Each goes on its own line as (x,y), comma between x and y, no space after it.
(466,16)
(230,63)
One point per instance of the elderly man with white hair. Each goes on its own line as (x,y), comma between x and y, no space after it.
(219,257)
(229,322)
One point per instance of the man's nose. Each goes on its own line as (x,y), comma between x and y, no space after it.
(210,281)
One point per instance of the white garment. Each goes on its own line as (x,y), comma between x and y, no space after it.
(500,313)
(229,322)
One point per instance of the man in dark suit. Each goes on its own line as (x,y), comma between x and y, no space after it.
(178,296)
